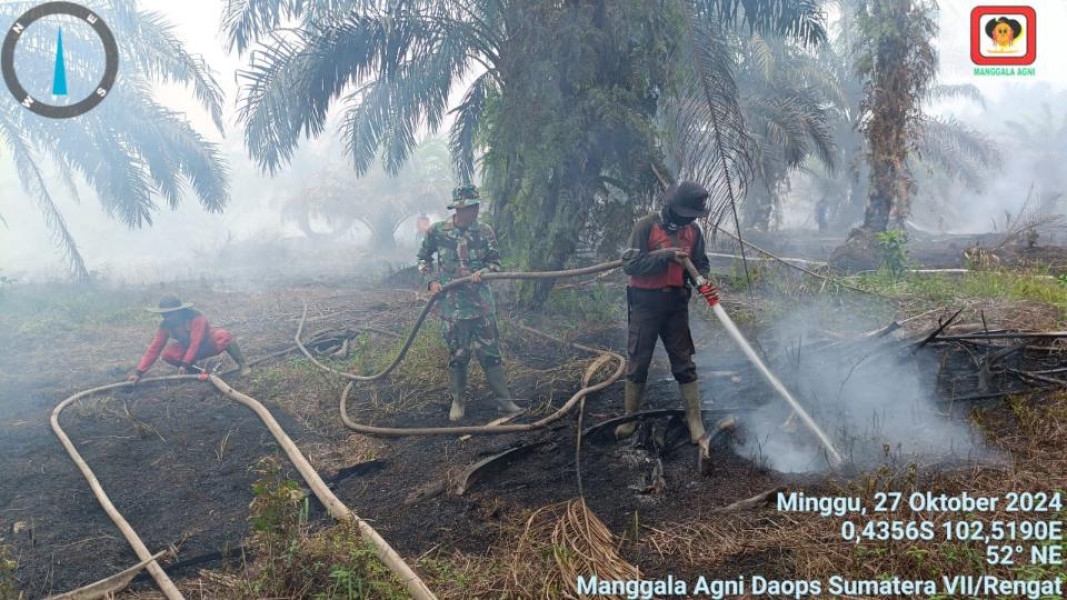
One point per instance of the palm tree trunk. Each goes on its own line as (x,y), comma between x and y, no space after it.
(880,200)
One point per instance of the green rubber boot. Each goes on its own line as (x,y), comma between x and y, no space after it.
(235,353)
(457,380)
(498,384)
(632,403)
(693,417)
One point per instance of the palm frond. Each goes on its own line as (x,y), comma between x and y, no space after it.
(465,128)
(965,91)
(246,21)
(176,153)
(406,64)
(764,55)
(291,82)
(711,142)
(959,151)
(35,185)
(801,20)
(711,123)
(161,56)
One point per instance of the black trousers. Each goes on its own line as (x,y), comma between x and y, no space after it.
(659,314)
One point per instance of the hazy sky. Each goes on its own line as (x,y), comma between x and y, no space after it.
(108,245)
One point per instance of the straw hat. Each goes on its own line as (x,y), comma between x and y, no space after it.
(169,303)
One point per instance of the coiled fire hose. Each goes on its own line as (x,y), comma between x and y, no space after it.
(585,390)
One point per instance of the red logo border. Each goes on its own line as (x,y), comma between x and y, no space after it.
(1031,35)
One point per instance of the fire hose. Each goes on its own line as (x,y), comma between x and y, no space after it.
(728,324)
(568,406)
(702,284)
(337,509)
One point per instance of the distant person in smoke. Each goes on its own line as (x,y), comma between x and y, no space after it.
(822,214)
(657,298)
(194,339)
(464,247)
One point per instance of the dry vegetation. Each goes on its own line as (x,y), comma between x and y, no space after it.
(537,552)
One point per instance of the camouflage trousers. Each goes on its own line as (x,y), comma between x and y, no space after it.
(478,336)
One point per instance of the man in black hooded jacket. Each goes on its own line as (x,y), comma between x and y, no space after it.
(657,295)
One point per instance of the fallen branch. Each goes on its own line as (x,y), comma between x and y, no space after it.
(936,332)
(832,280)
(991,396)
(753,502)
(1037,377)
(655,414)
(107,587)
(501,460)
(803,261)
(1005,336)
(425,492)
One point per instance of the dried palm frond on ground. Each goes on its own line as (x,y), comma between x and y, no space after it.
(560,542)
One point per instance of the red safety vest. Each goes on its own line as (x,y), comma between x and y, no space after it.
(674,276)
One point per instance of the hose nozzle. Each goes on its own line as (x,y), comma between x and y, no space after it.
(704,286)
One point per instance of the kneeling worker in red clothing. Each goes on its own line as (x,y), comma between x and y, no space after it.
(194,339)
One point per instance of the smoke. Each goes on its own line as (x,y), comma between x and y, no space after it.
(873,400)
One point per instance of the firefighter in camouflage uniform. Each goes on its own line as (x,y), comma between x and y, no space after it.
(465,247)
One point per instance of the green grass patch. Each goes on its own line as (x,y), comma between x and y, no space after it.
(584,304)
(48,308)
(8,566)
(292,561)
(938,288)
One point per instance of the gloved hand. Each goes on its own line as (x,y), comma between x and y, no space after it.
(710,293)
(680,256)
(134,378)
(675,254)
(182,370)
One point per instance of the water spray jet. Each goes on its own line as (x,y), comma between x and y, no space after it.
(735,333)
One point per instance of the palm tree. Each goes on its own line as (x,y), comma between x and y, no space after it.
(379,201)
(945,148)
(129,150)
(1044,140)
(562,98)
(788,115)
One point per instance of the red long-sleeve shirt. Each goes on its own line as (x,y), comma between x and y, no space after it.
(190,334)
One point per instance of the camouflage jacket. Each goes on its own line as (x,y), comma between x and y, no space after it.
(460,252)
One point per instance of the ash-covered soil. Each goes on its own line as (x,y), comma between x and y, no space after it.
(176,458)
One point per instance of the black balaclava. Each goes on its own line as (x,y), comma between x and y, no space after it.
(673,222)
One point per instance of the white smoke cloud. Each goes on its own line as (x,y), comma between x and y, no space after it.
(875,403)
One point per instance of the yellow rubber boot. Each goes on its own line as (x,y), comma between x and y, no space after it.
(498,384)
(631,403)
(693,417)
(457,379)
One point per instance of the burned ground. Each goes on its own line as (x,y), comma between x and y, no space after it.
(176,458)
